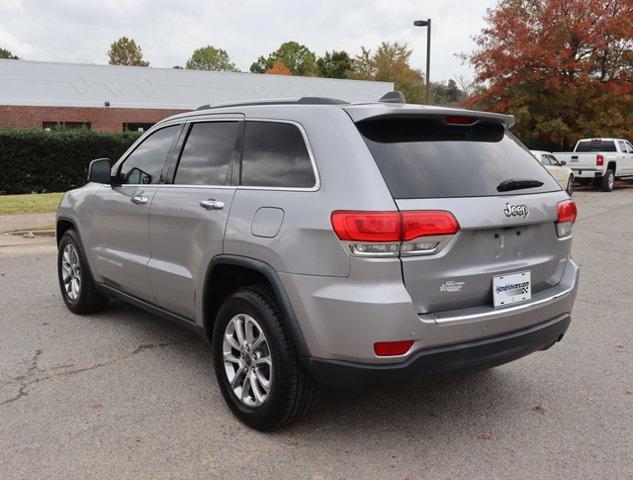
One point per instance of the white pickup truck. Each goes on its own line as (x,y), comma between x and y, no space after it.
(600,161)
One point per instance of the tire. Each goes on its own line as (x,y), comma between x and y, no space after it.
(608,181)
(85,298)
(291,390)
(570,185)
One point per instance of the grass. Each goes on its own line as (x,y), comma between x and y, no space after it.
(32,203)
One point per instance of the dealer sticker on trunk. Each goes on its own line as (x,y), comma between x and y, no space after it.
(511,288)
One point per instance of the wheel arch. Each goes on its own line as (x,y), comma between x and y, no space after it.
(62,225)
(228,272)
(612,165)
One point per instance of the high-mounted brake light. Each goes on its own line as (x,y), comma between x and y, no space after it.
(599,160)
(389,349)
(567,213)
(391,233)
(460,120)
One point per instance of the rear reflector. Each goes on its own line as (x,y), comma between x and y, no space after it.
(599,160)
(392,226)
(388,349)
(460,120)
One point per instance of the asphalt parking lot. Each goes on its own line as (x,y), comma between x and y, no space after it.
(122,394)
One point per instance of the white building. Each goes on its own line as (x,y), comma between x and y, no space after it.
(115,98)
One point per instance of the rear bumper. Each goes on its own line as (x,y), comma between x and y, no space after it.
(474,355)
(341,319)
(588,172)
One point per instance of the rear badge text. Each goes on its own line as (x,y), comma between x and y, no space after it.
(451,286)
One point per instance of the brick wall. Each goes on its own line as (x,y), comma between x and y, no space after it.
(104,119)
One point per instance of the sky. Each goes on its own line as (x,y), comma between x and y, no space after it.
(169,30)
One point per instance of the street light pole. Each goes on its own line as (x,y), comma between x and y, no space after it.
(426,23)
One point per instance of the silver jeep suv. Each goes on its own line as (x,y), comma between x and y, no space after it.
(318,242)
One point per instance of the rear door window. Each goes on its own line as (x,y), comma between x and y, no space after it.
(596,145)
(206,157)
(275,155)
(622,146)
(426,158)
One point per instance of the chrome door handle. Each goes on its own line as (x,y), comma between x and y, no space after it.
(212,205)
(138,200)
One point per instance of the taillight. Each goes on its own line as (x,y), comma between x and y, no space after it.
(567,213)
(599,160)
(367,226)
(389,349)
(424,224)
(392,233)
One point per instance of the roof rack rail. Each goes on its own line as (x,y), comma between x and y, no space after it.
(281,101)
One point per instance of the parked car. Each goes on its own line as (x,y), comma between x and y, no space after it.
(563,174)
(600,161)
(318,242)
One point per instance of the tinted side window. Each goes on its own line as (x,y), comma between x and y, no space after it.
(275,155)
(145,163)
(207,154)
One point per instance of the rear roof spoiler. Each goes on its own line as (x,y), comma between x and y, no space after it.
(359,113)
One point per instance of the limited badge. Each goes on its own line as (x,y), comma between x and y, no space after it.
(451,286)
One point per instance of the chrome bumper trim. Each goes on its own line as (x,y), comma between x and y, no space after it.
(566,287)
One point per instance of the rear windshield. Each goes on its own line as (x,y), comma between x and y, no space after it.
(425,158)
(596,146)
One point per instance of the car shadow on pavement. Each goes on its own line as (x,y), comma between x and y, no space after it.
(428,406)
(619,185)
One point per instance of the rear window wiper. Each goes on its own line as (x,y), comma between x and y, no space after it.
(517,184)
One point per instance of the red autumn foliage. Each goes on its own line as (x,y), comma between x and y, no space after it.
(279,68)
(564,68)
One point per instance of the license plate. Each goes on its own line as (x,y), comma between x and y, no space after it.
(511,288)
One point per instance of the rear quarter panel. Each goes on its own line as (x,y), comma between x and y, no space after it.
(349,180)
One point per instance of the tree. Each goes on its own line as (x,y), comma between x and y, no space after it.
(335,65)
(390,63)
(125,51)
(296,57)
(278,68)
(564,68)
(211,58)
(6,54)
(447,93)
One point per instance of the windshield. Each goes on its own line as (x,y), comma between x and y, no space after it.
(596,146)
(426,158)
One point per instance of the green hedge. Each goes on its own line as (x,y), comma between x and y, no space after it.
(36,161)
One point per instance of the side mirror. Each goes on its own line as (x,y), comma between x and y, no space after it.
(563,163)
(99,171)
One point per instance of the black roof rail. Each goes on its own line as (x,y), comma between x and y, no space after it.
(282,101)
